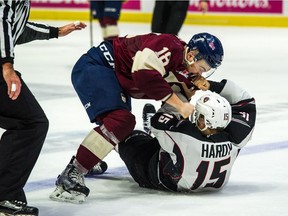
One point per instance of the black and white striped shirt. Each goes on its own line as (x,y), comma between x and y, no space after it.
(15,28)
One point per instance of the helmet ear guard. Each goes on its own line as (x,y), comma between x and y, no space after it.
(215,109)
(185,57)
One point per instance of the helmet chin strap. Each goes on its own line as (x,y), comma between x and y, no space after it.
(203,129)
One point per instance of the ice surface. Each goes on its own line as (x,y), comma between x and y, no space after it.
(255,58)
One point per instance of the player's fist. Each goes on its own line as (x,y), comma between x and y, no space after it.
(202,83)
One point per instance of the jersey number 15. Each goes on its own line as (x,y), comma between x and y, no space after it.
(216,179)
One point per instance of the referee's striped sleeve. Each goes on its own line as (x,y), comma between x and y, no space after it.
(6,38)
(13,17)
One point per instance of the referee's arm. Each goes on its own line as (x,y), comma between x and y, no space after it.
(37,31)
(6,34)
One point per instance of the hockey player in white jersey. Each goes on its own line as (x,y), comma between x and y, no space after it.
(193,157)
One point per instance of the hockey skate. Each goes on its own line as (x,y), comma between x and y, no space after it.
(98,169)
(148,112)
(70,186)
(17,208)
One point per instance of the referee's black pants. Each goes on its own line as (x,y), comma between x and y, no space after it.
(26,126)
(169,16)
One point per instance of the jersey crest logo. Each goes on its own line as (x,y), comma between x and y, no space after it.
(206,99)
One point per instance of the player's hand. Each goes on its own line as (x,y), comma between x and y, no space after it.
(202,83)
(12,80)
(67,29)
(186,110)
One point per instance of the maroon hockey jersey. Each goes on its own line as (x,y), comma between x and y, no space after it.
(143,62)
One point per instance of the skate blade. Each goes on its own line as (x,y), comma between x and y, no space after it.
(60,195)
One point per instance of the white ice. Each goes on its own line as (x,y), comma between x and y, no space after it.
(255,58)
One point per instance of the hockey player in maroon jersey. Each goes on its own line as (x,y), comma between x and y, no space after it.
(193,157)
(150,66)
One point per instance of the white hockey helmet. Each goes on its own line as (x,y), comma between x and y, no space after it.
(215,109)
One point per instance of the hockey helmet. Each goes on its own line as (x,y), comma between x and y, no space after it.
(209,47)
(215,110)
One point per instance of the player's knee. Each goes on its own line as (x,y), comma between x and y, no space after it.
(120,122)
(129,121)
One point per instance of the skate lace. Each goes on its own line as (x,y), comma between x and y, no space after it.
(147,121)
(76,177)
(19,203)
(97,168)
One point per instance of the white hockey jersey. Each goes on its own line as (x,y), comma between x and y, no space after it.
(190,161)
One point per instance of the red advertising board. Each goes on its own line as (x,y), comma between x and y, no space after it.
(74,4)
(223,6)
(241,6)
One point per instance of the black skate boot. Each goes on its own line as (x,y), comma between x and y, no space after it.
(148,112)
(70,186)
(98,169)
(18,208)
